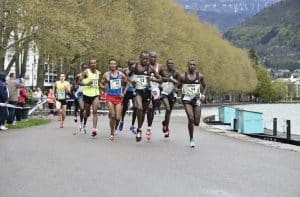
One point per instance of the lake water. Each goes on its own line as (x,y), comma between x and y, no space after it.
(282,112)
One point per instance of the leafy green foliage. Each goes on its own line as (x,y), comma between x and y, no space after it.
(70,32)
(274,33)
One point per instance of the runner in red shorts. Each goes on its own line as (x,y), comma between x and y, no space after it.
(112,83)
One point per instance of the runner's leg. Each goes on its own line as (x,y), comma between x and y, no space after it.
(191,119)
(112,118)
(95,105)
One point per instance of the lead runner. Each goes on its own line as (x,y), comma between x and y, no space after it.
(193,93)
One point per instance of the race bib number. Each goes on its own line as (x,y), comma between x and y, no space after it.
(191,89)
(141,81)
(167,87)
(94,82)
(115,84)
(61,94)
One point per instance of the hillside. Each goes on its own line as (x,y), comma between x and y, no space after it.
(226,14)
(274,33)
(224,21)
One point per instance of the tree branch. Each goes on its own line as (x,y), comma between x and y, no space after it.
(11,63)
(17,41)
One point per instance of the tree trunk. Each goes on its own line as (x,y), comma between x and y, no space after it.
(24,62)
(11,63)
(18,51)
(2,59)
(41,72)
(17,66)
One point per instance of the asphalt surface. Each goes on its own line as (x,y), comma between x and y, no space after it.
(48,161)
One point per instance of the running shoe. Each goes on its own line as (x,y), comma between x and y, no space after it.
(148,134)
(192,144)
(75,119)
(94,133)
(121,124)
(80,128)
(3,128)
(132,129)
(59,117)
(138,137)
(167,133)
(84,129)
(61,125)
(112,137)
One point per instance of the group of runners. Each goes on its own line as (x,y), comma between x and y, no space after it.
(145,83)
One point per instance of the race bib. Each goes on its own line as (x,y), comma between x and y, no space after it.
(167,87)
(115,84)
(154,84)
(61,94)
(94,82)
(191,89)
(141,81)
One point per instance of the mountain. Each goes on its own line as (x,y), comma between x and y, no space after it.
(274,33)
(226,14)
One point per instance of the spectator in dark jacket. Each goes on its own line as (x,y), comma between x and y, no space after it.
(3,101)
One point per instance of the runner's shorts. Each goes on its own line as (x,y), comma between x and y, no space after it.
(145,94)
(89,99)
(129,95)
(114,99)
(62,101)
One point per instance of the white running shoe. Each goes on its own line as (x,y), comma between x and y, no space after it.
(3,128)
(80,128)
(84,129)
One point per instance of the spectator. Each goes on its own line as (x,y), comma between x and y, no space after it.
(38,95)
(13,91)
(21,113)
(3,100)
(51,100)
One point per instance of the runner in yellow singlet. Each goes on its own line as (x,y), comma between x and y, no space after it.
(91,91)
(61,88)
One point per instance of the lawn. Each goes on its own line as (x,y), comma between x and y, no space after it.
(29,123)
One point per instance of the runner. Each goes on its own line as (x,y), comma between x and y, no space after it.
(78,95)
(155,71)
(129,95)
(91,88)
(193,92)
(61,88)
(168,98)
(112,83)
(143,94)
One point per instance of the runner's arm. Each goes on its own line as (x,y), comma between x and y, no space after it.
(126,80)
(83,75)
(203,84)
(68,87)
(179,84)
(103,81)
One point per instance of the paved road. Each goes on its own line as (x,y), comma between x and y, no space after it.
(47,161)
